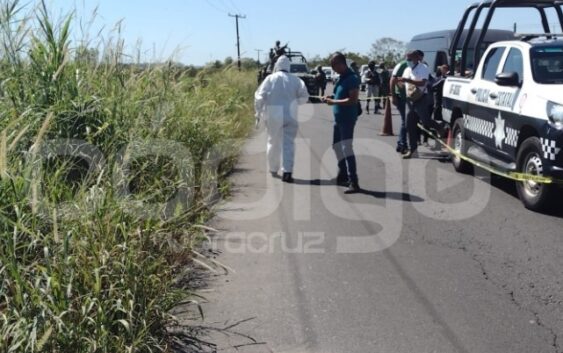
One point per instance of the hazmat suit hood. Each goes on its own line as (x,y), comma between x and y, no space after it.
(283,64)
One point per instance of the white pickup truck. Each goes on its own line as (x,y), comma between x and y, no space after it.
(509,114)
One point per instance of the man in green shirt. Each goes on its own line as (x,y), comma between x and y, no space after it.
(399,98)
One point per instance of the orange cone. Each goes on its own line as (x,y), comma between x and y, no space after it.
(387,129)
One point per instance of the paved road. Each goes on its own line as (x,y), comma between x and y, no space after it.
(424,260)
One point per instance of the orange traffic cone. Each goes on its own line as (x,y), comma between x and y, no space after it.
(387,129)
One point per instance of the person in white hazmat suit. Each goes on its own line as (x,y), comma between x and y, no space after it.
(276,102)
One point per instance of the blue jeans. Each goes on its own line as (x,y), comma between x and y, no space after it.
(419,111)
(402,108)
(342,143)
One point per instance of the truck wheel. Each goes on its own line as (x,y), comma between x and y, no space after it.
(535,196)
(459,144)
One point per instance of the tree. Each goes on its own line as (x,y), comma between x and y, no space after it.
(359,59)
(317,60)
(249,63)
(228,61)
(388,50)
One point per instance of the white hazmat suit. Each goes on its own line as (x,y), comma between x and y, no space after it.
(276,101)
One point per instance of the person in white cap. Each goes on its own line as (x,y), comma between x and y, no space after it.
(276,101)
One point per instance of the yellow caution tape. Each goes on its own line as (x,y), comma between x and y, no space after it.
(360,99)
(521,177)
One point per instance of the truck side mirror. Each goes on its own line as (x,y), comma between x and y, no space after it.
(510,79)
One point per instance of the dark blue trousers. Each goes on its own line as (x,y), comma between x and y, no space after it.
(344,149)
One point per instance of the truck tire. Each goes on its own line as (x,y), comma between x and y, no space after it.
(459,144)
(534,196)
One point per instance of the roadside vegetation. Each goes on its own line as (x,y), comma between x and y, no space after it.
(107,172)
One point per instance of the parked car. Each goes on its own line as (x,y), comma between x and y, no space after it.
(328,72)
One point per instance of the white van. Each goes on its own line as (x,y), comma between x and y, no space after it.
(328,72)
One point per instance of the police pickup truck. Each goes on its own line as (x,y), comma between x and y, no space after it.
(509,113)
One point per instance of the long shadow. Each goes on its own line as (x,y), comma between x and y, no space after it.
(398,196)
(315,182)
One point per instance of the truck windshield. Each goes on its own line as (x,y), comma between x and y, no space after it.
(547,65)
(298,68)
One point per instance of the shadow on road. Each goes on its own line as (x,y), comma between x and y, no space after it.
(397,196)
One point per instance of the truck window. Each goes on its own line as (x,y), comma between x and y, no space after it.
(547,65)
(515,63)
(492,63)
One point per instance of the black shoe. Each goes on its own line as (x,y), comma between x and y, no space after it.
(342,180)
(287,178)
(353,188)
(410,154)
(401,149)
(274,174)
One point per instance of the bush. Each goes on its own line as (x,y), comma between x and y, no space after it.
(85,145)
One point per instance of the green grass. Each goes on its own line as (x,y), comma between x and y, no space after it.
(83,266)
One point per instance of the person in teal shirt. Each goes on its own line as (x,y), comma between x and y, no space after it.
(345,109)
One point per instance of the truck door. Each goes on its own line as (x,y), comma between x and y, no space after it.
(506,103)
(481,112)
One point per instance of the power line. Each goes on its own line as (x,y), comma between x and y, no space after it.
(215,6)
(227,6)
(237,16)
(234,5)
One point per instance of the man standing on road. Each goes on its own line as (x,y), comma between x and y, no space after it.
(277,99)
(373,82)
(320,80)
(400,101)
(384,79)
(415,79)
(345,109)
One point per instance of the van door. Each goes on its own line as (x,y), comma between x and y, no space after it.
(481,110)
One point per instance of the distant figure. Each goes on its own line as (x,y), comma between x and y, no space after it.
(355,69)
(320,80)
(345,108)
(276,101)
(399,99)
(438,89)
(372,83)
(385,78)
(278,49)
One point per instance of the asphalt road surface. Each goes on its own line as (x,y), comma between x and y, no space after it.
(423,260)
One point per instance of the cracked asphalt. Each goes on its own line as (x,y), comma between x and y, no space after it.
(423,260)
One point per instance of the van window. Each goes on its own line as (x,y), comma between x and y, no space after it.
(515,63)
(441,58)
(491,64)
(430,59)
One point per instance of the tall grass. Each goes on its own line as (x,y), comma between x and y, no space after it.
(83,266)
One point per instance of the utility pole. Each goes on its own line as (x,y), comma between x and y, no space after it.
(258,51)
(237,16)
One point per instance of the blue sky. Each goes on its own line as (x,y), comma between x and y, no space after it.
(199,31)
